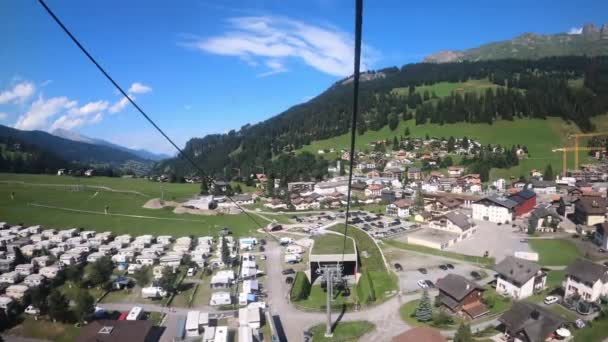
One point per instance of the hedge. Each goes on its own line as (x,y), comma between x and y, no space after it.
(301,287)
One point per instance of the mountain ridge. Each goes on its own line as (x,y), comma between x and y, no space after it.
(592,41)
(75,136)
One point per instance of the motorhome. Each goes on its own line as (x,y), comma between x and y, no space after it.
(135,313)
(171,261)
(292,258)
(95,256)
(294,249)
(134,268)
(24,269)
(164,239)
(153,292)
(34,280)
(6,303)
(147,259)
(17,292)
(222,279)
(220,298)
(10,277)
(49,271)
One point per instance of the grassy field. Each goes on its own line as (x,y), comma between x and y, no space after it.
(596,331)
(540,136)
(343,332)
(61,202)
(332,244)
(443,89)
(46,330)
(426,250)
(554,252)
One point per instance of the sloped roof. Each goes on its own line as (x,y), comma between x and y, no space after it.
(459,219)
(456,286)
(516,270)
(532,320)
(587,271)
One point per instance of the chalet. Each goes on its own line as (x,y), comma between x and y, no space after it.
(455,171)
(394,172)
(590,210)
(455,222)
(461,296)
(527,322)
(373,190)
(586,279)
(544,219)
(519,278)
(399,208)
(542,186)
(423,216)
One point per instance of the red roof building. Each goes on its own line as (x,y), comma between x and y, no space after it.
(526,201)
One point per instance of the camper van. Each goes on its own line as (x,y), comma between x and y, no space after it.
(292,258)
(135,314)
(220,298)
(153,292)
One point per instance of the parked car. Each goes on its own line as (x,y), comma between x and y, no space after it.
(398,267)
(262,249)
(551,300)
(429,283)
(289,280)
(476,275)
(422,284)
(450,266)
(579,323)
(443,267)
(32,310)
(523,240)
(288,271)
(422,270)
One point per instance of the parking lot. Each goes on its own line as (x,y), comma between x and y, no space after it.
(499,240)
(411,262)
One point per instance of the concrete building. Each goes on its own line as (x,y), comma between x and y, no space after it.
(494,209)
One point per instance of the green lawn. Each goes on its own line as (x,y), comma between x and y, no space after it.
(344,331)
(596,331)
(501,303)
(374,261)
(332,244)
(317,300)
(426,250)
(43,329)
(443,89)
(66,203)
(540,136)
(554,252)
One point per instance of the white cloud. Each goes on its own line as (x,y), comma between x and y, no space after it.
(575,30)
(274,40)
(20,92)
(139,88)
(90,113)
(3,116)
(41,111)
(119,105)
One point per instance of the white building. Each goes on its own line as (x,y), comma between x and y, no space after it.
(586,279)
(519,278)
(494,209)
(220,298)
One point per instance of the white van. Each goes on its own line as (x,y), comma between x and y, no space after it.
(191,272)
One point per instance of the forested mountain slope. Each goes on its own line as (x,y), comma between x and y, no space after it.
(518,89)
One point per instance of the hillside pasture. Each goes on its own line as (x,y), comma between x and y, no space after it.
(62,202)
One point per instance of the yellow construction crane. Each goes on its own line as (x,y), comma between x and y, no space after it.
(576,148)
(565,150)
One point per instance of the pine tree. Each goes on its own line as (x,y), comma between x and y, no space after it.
(548,174)
(424,311)
(204,186)
(407,131)
(463,334)
(395,144)
(58,306)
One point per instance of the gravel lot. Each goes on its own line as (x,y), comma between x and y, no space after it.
(499,241)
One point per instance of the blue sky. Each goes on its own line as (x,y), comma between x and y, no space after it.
(200,67)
